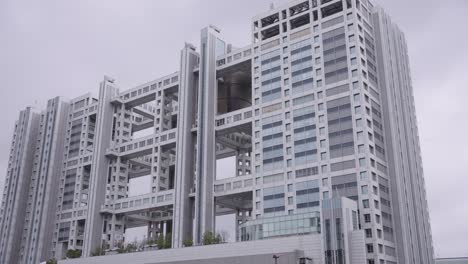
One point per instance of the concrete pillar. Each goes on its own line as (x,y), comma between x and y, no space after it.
(184,169)
(97,192)
(206,140)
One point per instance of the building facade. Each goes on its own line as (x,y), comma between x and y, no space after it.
(317,115)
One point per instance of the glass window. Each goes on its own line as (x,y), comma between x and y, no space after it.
(368,232)
(357,98)
(363,175)
(326,195)
(362,162)
(367,218)
(365,203)
(325,182)
(358,110)
(364,189)
(370,248)
(316,39)
(324,168)
(323,143)
(376,204)
(360,136)
(355,85)
(361,148)
(359,122)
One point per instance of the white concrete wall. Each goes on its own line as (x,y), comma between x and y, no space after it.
(357,247)
(309,244)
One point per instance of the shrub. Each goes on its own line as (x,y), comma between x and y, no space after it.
(151,242)
(188,242)
(97,252)
(160,241)
(130,248)
(73,253)
(168,240)
(210,238)
(51,261)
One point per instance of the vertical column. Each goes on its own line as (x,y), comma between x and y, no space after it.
(206,142)
(241,217)
(99,172)
(185,158)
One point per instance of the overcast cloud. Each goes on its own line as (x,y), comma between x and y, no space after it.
(50,48)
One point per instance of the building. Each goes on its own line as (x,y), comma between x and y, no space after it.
(317,115)
(71,203)
(32,183)
(39,220)
(17,181)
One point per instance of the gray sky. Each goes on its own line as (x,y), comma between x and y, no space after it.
(50,48)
